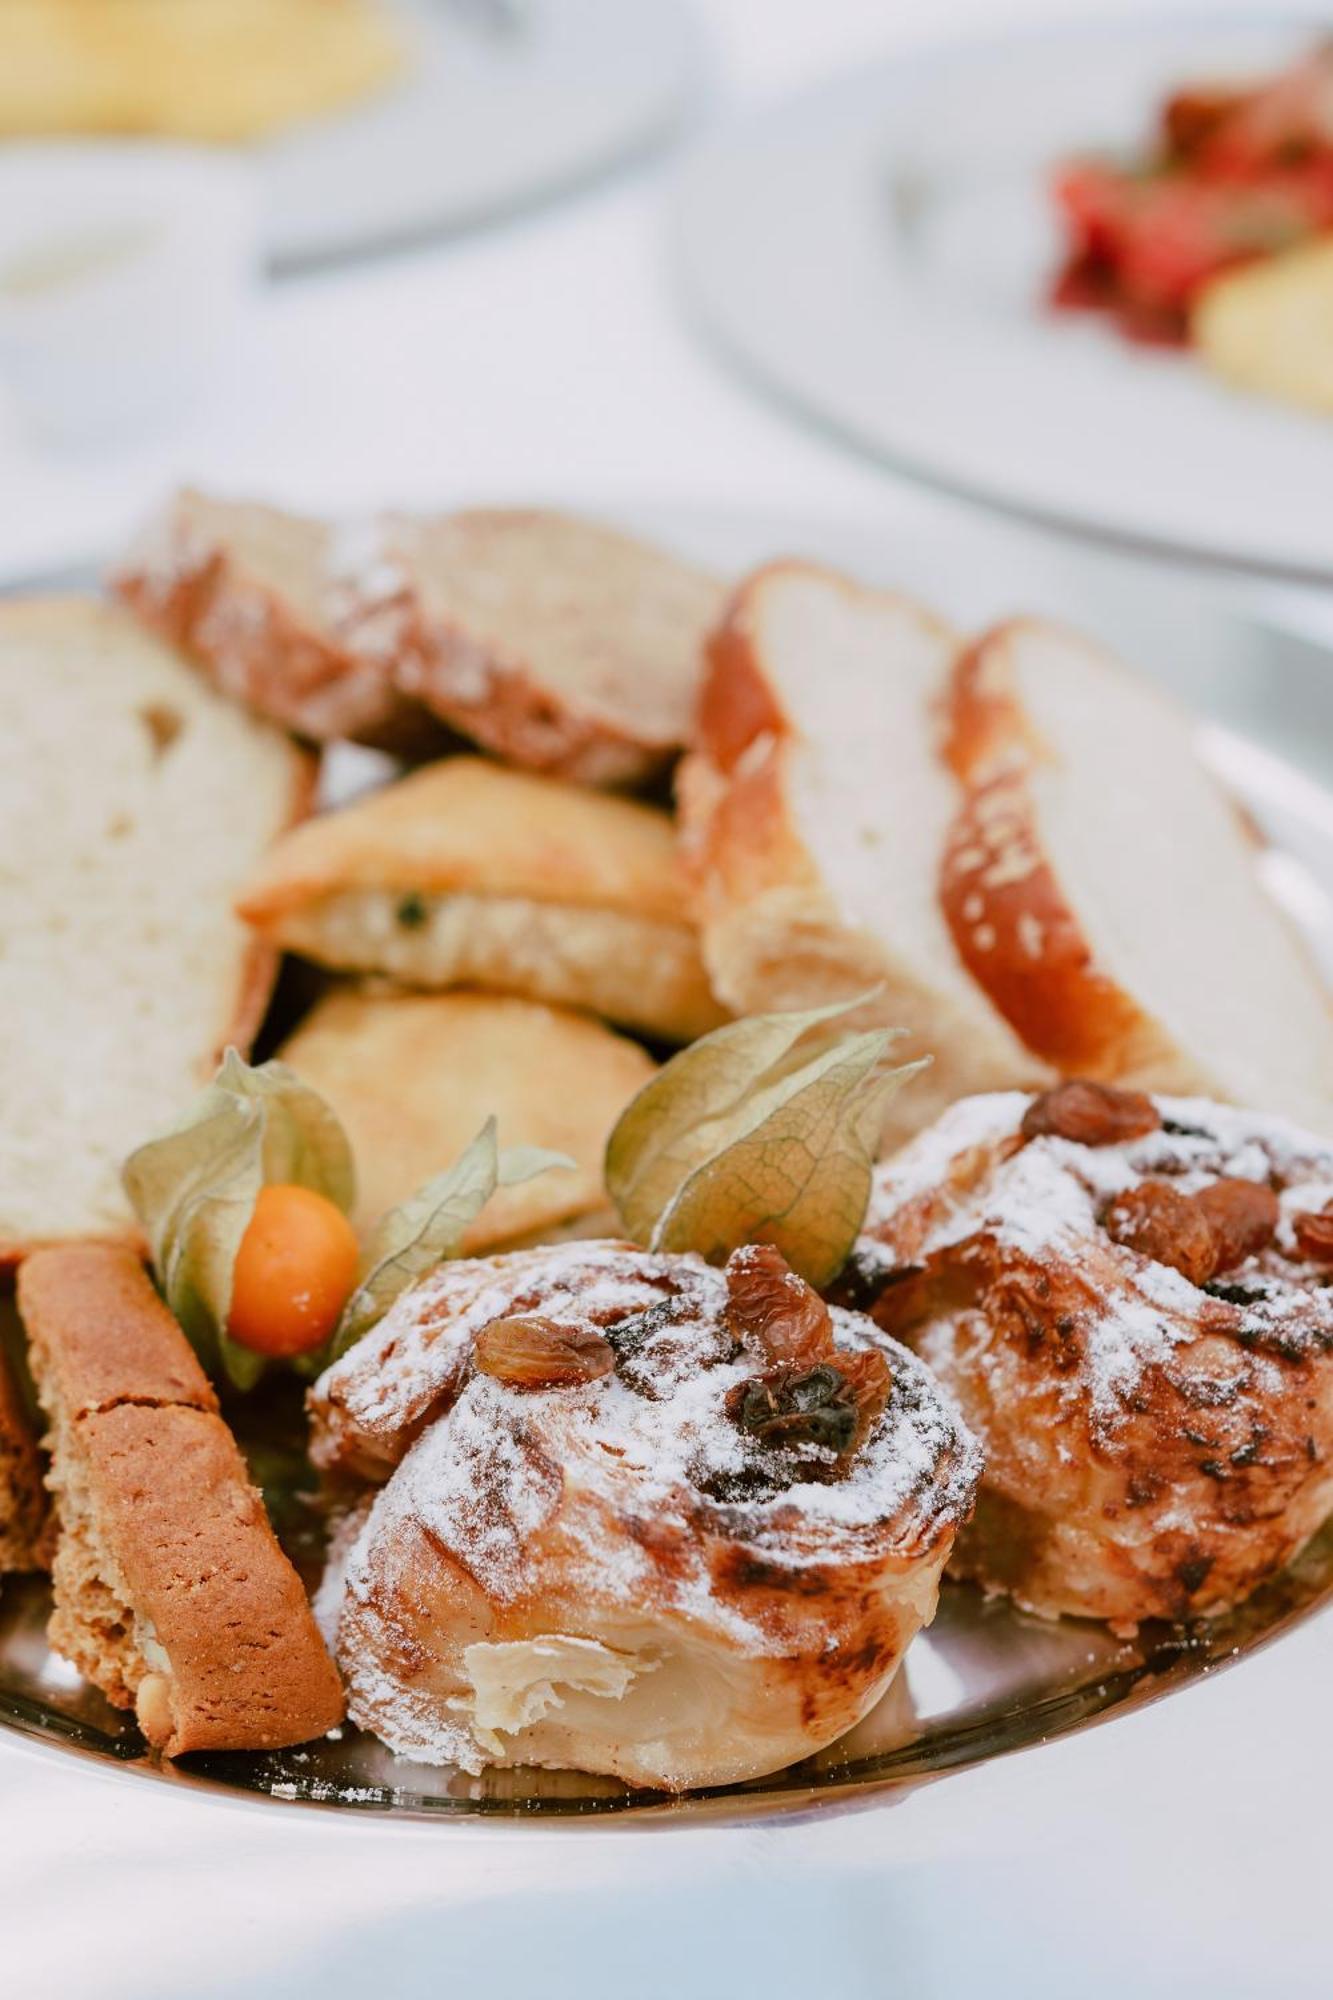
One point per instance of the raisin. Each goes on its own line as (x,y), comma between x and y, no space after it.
(1161,1223)
(772,1310)
(830,1407)
(529,1352)
(1314,1234)
(1243,1216)
(411,912)
(1090,1114)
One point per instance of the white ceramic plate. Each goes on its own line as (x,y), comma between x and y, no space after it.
(984,1679)
(877,253)
(486,118)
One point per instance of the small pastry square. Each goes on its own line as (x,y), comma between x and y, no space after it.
(413,1077)
(467,874)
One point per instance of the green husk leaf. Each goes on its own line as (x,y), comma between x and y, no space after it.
(194,1190)
(766,1131)
(429,1226)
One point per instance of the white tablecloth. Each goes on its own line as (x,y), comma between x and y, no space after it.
(1180,1850)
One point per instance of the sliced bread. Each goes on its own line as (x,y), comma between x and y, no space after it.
(264,602)
(553,642)
(171,1592)
(465,873)
(1105,893)
(815,809)
(413,1077)
(133,803)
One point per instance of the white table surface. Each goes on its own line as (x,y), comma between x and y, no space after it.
(1178,1851)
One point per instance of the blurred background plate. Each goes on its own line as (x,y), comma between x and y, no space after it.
(877,252)
(984,1679)
(501,102)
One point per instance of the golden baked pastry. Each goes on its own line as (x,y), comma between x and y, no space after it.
(465,873)
(187,69)
(413,1077)
(1268,327)
(1129,1299)
(641,1516)
(171,1592)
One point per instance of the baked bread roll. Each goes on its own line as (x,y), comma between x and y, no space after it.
(1094,871)
(554,643)
(815,811)
(133,804)
(265,603)
(414,1077)
(171,1593)
(590,1553)
(468,874)
(1130,1300)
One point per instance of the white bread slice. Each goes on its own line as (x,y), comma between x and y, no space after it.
(815,810)
(133,802)
(553,642)
(415,1076)
(1106,893)
(464,873)
(262,601)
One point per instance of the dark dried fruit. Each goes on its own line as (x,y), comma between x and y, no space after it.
(1161,1223)
(411,912)
(1243,1216)
(773,1311)
(1314,1234)
(529,1352)
(830,1407)
(1090,1114)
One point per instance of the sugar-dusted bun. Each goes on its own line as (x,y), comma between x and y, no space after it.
(613,1575)
(1144,1353)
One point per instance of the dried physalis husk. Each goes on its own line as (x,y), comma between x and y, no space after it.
(1159,1222)
(812,1395)
(1243,1216)
(1314,1234)
(195,1186)
(528,1351)
(1090,1114)
(429,1226)
(766,1130)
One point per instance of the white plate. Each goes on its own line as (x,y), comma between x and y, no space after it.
(877,253)
(484,120)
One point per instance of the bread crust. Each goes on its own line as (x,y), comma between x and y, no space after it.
(470,665)
(774,932)
(160,1527)
(187,583)
(1014,928)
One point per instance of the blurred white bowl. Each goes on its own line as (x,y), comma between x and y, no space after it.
(124,269)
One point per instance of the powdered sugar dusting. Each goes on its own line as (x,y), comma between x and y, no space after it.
(1041,1201)
(633,1491)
